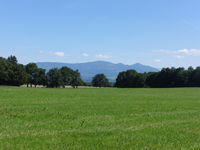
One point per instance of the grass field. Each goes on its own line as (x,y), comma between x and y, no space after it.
(106,118)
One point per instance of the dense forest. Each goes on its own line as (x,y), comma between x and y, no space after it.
(15,74)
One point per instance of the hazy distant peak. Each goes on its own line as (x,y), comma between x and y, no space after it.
(89,69)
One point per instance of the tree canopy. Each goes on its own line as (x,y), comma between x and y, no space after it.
(100,80)
(12,73)
(129,79)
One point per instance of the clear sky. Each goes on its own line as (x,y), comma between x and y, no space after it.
(159,33)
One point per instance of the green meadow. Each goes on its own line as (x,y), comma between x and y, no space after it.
(99,119)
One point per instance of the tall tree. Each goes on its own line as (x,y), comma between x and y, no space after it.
(17,76)
(11,73)
(67,76)
(76,79)
(54,78)
(39,78)
(31,70)
(100,80)
(5,69)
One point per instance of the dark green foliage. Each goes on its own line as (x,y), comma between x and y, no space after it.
(35,76)
(76,79)
(40,77)
(31,70)
(194,77)
(151,80)
(130,79)
(169,77)
(54,78)
(4,71)
(67,76)
(62,77)
(100,80)
(11,73)
(12,59)
(17,76)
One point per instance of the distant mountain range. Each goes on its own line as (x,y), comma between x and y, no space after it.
(89,69)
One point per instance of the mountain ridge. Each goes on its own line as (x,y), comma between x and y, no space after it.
(89,69)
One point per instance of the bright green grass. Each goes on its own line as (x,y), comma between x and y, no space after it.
(106,118)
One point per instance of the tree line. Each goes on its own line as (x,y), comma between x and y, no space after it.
(13,73)
(166,78)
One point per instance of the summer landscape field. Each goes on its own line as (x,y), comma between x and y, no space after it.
(99,118)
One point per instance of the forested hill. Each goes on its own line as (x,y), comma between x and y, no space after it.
(90,69)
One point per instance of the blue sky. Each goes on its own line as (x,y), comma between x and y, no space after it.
(160,33)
